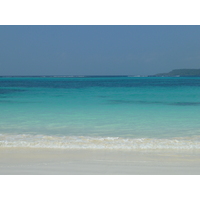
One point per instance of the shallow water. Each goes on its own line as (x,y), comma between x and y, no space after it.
(100,112)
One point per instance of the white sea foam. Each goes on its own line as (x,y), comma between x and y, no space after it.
(112,143)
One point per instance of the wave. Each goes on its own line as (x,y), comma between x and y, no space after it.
(112,143)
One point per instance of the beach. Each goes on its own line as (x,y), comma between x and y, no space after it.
(117,104)
(99,125)
(30,161)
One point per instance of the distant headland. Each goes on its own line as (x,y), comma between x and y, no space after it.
(179,73)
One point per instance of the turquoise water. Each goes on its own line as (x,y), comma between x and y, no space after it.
(100,112)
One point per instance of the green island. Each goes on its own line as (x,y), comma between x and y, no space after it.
(179,73)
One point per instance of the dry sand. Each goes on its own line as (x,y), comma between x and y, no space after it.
(30,161)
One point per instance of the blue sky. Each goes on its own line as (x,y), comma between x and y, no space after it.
(97,50)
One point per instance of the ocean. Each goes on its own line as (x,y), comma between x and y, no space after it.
(126,113)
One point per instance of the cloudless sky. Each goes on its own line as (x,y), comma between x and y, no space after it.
(97,50)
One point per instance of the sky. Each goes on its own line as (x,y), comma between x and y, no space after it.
(97,50)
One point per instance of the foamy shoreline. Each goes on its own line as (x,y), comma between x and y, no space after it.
(98,143)
(35,161)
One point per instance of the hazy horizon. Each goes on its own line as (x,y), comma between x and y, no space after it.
(97,50)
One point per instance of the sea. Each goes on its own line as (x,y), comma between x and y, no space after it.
(100,112)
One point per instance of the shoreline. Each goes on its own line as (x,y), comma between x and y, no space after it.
(38,161)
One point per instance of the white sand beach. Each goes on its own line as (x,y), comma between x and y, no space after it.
(30,161)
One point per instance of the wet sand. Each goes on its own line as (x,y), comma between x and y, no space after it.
(30,161)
